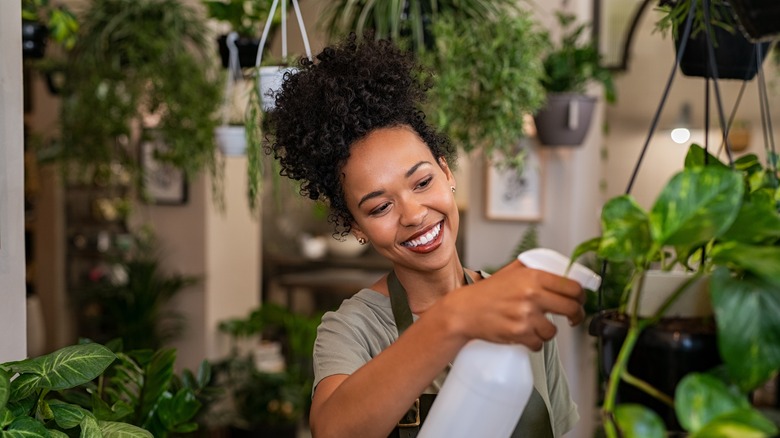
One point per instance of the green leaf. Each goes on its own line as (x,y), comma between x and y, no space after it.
(748,328)
(112,429)
(159,373)
(697,205)
(90,428)
(763,261)
(178,409)
(23,386)
(757,220)
(6,417)
(695,158)
(745,423)
(5,388)
(637,421)
(53,433)
(700,397)
(67,415)
(585,247)
(625,230)
(26,427)
(68,367)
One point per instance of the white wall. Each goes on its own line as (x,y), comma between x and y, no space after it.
(13,343)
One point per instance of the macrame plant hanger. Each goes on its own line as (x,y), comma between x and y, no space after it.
(713,73)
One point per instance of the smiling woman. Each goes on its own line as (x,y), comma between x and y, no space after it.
(349,127)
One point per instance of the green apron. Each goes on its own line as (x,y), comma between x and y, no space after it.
(534,422)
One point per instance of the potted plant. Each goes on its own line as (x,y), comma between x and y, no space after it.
(403,22)
(41,22)
(569,67)
(246,18)
(90,389)
(736,57)
(720,224)
(486,79)
(268,375)
(140,70)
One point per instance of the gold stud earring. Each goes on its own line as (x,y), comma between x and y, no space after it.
(362,240)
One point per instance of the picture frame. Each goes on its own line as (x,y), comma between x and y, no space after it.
(164,184)
(511,195)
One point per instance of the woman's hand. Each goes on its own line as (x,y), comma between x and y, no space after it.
(512,305)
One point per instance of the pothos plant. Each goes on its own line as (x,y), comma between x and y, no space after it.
(720,222)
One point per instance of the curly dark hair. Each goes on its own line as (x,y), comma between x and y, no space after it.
(351,89)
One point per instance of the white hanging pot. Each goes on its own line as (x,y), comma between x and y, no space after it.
(271,78)
(231,140)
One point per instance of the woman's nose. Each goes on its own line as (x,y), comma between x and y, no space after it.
(412,213)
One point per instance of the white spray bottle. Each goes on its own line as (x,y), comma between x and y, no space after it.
(489,384)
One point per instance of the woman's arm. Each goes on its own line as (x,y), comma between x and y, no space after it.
(508,307)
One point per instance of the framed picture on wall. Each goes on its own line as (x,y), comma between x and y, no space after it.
(513,195)
(164,184)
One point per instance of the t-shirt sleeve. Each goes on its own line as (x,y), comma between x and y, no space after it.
(564,410)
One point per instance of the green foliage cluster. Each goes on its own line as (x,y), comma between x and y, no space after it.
(61,22)
(571,63)
(721,223)
(405,22)
(264,398)
(90,391)
(133,308)
(245,17)
(675,12)
(140,66)
(487,79)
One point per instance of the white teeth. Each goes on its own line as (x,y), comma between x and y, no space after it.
(422,240)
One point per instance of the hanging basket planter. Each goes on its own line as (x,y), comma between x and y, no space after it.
(247,51)
(231,140)
(735,56)
(271,78)
(565,119)
(760,19)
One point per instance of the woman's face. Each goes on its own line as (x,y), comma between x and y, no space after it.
(401,198)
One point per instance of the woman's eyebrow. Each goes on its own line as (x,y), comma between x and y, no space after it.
(376,193)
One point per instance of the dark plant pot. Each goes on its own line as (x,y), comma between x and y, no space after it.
(565,119)
(760,19)
(34,36)
(735,56)
(247,51)
(663,355)
(286,431)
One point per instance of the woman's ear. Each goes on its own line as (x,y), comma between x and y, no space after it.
(447,171)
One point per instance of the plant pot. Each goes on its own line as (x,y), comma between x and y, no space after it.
(735,56)
(760,19)
(34,36)
(271,78)
(247,51)
(663,355)
(657,286)
(565,119)
(231,140)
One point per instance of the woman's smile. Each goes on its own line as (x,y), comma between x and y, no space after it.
(425,241)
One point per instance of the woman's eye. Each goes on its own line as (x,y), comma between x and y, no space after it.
(425,183)
(381,209)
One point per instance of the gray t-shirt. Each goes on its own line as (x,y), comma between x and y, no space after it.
(363,326)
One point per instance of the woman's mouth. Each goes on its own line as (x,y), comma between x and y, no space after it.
(424,239)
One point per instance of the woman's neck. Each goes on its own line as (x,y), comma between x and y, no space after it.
(424,288)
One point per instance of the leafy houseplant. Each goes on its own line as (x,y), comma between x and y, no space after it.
(139,71)
(42,21)
(245,17)
(403,22)
(735,56)
(55,394)
(128,302)
(570,65)
(487,78)
(269,399)
(721,224)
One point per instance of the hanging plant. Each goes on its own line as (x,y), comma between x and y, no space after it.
(140,67)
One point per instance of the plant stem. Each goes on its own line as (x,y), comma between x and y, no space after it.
(646,387)
(616,374)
